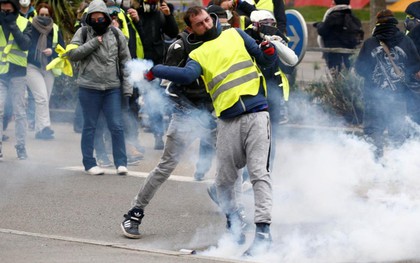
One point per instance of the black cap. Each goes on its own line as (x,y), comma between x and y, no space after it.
(413,9)
(342,2)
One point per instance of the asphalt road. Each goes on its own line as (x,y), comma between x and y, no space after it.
(51,211)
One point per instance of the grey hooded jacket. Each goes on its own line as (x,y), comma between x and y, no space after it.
(101,63)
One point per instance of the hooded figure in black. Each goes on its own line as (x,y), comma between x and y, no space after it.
(332,35)
(384,87)
(412,27)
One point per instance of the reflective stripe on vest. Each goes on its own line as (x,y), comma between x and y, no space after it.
(230,73)
(265,5)
(10,51)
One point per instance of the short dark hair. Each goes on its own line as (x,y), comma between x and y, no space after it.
(191,12)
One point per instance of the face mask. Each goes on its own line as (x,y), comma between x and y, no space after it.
(44,20)
(410,23)
(25,3)
(99,27)
(7,18)
(209,34)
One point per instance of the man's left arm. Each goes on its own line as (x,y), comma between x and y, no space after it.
(265,59)
(181,75)
(23,39)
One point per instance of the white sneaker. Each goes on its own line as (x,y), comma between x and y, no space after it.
(122,170)
(95,170)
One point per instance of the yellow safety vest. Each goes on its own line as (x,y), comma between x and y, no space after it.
(230,72)
(10,51)
(55,71)
(139,44)
(265,5)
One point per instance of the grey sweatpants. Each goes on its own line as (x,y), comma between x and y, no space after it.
(183,130)
(244,140)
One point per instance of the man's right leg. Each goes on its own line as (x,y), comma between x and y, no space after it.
(174,148)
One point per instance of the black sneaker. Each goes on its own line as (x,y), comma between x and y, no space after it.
(262,241)
(236,225)
(21,152)
(130,226)
(211,190)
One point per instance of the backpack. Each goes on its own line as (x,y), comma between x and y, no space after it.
(352,34)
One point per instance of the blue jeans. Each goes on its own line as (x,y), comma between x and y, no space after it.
(109,102)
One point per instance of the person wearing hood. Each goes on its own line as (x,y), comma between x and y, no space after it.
(238,92)
(15,39)
(412,28)
(158,22)
(386,61)
(45,37)
(102,52)
(332,35)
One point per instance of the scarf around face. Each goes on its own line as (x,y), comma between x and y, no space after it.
(43,30)
(388,33)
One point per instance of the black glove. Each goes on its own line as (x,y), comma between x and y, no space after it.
(316,24)
(125,103)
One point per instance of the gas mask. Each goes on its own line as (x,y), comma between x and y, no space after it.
(410,22)
(25,3)
(266,27)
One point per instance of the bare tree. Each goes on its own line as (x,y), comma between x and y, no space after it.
(375,7)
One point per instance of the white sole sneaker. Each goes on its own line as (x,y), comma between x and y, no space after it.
(95,170)
(122,170)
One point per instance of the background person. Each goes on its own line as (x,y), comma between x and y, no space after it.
(157,21)
(384,90)
(102,56)
(45,37)
(15,33)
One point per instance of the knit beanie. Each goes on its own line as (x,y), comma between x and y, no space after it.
(342,2)
(413,9)
(386,17)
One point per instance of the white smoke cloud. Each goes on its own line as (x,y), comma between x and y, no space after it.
(334,203)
